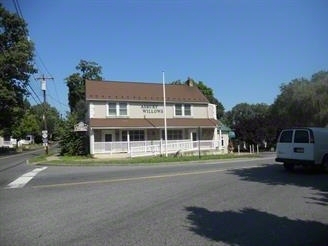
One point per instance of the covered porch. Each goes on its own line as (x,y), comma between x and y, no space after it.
(145,139)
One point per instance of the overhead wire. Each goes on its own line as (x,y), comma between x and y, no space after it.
(39,68)
(30,88)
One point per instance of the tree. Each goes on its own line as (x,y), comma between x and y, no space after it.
(74,143)
(76,86)
(28,125)
(250,122)
(16,63)
(53,119)
(302,102)
(320,98)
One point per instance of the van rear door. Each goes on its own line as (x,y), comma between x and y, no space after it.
(284,145)
(302,148)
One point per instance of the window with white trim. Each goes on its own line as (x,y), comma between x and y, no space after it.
(117,109)
(178,109)
(182,110)
(123,109)
(112,109)
(187,109)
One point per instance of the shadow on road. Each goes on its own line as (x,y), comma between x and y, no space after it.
(275,174)
(253,227)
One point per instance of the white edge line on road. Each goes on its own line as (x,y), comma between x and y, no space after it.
(25,178)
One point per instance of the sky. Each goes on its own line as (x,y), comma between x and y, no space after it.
(243,49)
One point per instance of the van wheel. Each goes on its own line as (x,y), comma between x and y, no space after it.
(324,165)
(289,166)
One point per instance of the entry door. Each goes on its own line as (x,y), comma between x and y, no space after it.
(108,140)
(108,137)
(194,140)
(194,136)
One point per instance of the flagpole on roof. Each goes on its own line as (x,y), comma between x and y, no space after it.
(164,105)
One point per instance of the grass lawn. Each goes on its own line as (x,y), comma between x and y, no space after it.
(153,160)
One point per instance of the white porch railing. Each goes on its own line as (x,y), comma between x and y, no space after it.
(148,148)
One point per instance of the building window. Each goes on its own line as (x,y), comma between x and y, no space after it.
(123,107)
(178,109)
(173,134)
(182,110)
(112,109)
(117,109)
(187,110)
(137,135)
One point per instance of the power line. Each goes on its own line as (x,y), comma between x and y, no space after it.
(20,14)
(59,102)
(18,9)
(33,98)
(34,93)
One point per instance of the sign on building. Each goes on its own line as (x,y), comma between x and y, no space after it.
(81,127)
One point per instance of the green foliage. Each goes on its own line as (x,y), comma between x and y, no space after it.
(76,86)
(249,121)
(302,102)
(52,117)
(73,143)
(16,63)
(26,126)
(150,161)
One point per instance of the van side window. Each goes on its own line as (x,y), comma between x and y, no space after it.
(286,137)
(301,136)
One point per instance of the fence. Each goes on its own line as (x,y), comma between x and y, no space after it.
(158,147)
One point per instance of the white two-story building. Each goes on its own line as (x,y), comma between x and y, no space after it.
(129,119)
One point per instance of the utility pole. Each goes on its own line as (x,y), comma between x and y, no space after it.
(45,129)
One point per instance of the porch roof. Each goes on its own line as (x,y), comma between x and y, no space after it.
(118,123)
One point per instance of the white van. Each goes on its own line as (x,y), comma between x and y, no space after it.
(303,146)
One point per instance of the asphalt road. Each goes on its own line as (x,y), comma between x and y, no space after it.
(14,165)
(244,202)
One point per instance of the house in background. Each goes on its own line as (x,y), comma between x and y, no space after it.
(7,142)
(128,119)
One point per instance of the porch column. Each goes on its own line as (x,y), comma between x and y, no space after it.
(128,138)
(220,139)
(92,141)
